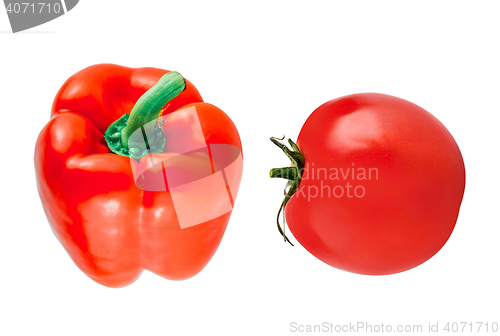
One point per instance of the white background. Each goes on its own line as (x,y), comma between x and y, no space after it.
(268,64)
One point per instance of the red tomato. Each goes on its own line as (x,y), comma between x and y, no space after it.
(382,183)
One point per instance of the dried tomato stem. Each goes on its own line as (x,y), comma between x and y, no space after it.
(292,174)
(289,173)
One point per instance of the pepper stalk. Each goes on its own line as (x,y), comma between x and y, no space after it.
(121,135)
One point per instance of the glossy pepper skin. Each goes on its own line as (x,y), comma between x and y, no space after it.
(111,228)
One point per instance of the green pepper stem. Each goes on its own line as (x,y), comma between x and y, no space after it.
(150,104)
(121,135)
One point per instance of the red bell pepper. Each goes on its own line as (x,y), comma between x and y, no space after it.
(136,172)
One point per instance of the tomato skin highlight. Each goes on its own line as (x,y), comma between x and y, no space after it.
(410,179)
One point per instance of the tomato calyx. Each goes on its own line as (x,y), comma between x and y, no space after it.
(292,174)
